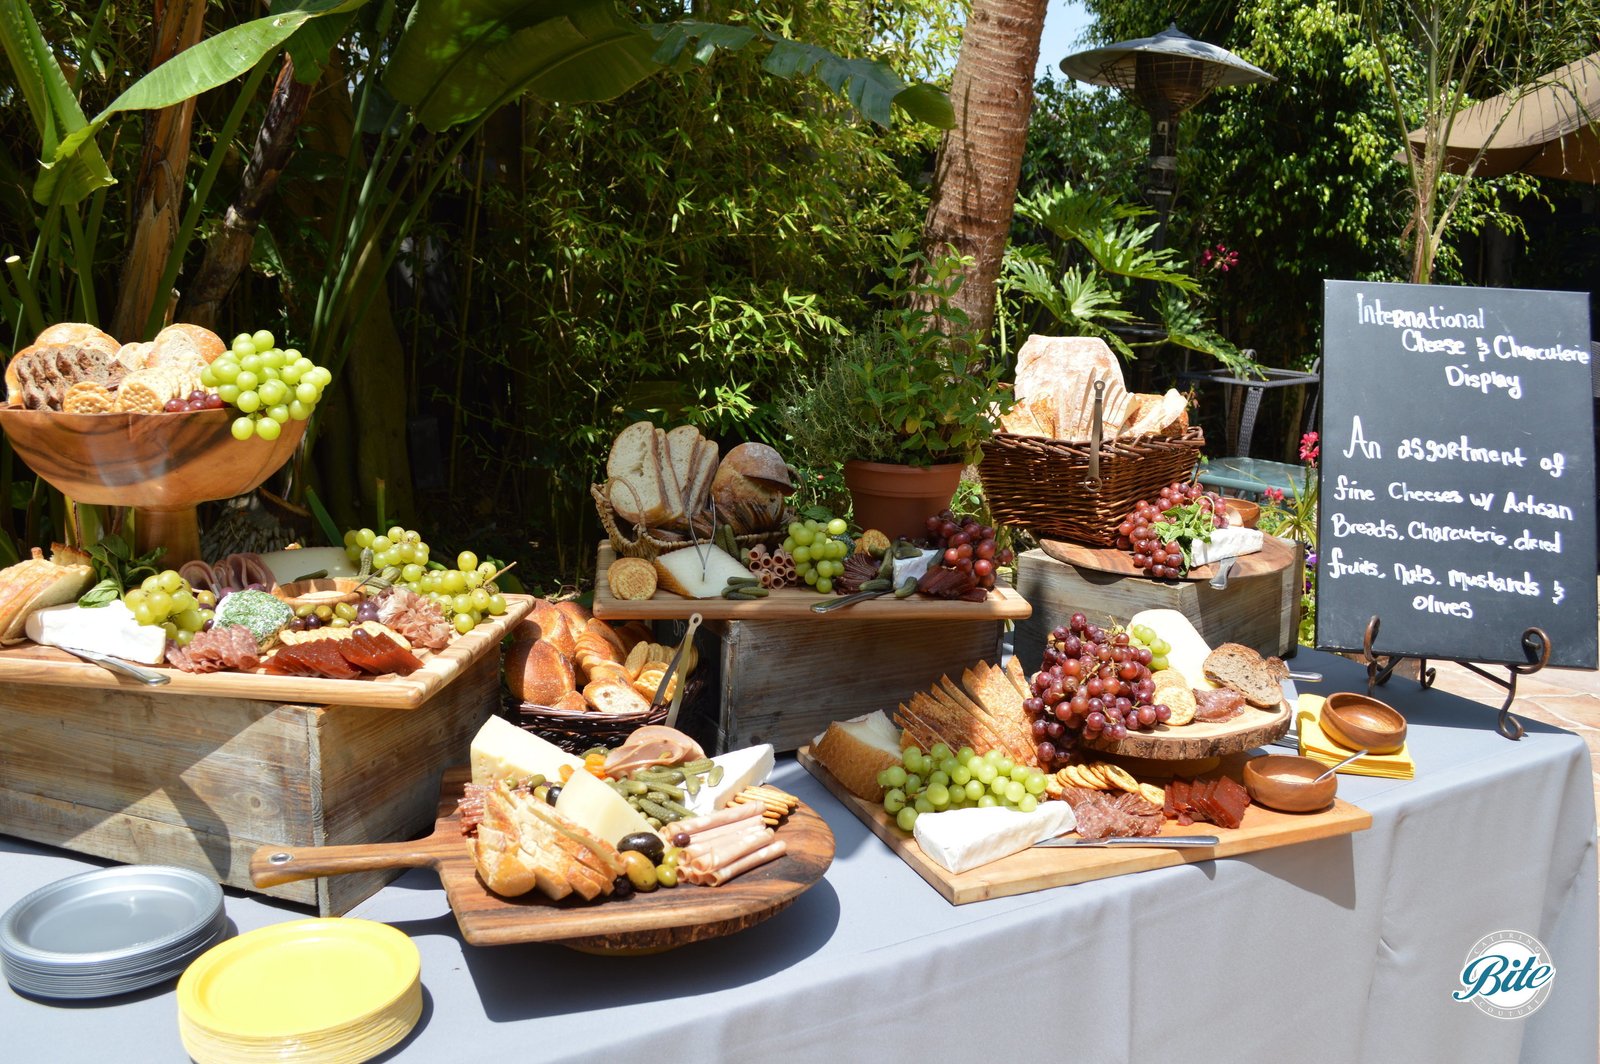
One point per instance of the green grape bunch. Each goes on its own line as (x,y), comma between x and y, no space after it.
(818,549)
(266,384)
(166,599)
(467,594)
(932,782)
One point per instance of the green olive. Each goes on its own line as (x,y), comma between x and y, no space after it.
(641,873)
(667,875)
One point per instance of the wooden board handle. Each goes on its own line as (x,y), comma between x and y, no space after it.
(271,866)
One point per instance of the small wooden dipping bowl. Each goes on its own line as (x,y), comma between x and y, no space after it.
(324,592)
(1361,723)
(1283,782)
(1248,512)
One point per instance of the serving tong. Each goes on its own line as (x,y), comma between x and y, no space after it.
(672,669)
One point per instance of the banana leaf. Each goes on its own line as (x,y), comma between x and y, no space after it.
(55,110)
(214,61)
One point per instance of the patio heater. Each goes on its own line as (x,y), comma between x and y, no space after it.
(1166,75)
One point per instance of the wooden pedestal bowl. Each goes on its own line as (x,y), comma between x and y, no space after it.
(162,465)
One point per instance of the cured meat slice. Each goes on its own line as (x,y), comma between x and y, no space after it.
(1230,800)
(1101,815)
(1179,793)
(377,654)
(228,647)
(312,659)
(1213,707)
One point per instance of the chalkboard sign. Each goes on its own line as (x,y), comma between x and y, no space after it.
(1456,480)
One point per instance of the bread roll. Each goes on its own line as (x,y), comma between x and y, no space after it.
(578,616)
(539,673)
(63,333)
(185,347)
(856,750)
(550,624)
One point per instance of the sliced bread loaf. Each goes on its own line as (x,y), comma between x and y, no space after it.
(1241,668)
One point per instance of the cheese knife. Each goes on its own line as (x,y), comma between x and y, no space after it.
(127,668)
(848,600)
(1175,841)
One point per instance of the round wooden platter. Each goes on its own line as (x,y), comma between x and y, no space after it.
(1275,555)
(1193,742)
(641,923)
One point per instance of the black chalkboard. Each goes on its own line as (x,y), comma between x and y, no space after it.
(1456,479)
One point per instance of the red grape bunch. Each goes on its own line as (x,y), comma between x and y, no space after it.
(1137,534)
(966,569)
(1093,683)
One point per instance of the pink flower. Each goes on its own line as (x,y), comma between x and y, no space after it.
(1310,450)
(1274,496)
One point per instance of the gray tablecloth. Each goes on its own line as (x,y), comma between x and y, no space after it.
(1341,950)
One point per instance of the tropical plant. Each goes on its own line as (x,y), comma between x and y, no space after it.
(914,388)
(1086,284)
(1292,515)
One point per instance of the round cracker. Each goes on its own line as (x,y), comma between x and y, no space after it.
(1117,777)
(1153,794)
(1169,678)
(1180,701)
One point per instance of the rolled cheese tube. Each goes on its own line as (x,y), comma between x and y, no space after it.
(771,852)
(723,851)
(725,815)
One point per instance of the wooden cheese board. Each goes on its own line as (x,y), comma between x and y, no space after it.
(1274,556)
(791,604)
(1041,869)
(30,663)
(663,919)
(1191,742)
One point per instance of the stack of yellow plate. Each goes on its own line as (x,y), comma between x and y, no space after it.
(338,991)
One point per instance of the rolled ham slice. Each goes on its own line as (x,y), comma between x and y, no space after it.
(770,852)
(731,814)
(719,853)
(653,744)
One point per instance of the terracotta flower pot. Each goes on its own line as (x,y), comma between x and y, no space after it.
(897,500)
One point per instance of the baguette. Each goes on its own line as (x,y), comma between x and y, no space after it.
(1241,668)
(614,696)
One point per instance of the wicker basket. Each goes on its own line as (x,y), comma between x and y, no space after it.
(1077,492)
(644,545)
(576,732)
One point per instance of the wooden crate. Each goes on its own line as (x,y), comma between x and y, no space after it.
(1259,611)
(781,682)
(145,777)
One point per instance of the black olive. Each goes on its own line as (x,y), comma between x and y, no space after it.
(647,843)
(552,794)
(622,887)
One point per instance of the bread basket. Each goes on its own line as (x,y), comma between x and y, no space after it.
(643,544)
(1081,491)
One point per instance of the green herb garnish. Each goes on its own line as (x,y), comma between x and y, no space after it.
(1185,524)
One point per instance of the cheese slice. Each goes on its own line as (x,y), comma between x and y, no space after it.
(1227,542)
(592,803)
(961,839)
(503,751)
(1189,650)
(109,629)
(748,767)
(700,571)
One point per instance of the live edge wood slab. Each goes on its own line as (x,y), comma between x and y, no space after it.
(641,923)
(1036,869)
(792,604)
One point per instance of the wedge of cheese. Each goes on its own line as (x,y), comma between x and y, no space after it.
(701,571)
(598,808)
(109,629)
(1230,542)
(503,751)
(961,839)
(748,767)
(1189,650)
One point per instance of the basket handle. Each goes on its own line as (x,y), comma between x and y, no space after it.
(1092,481)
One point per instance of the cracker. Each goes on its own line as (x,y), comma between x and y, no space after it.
(88,397)
(1153,794)
(1169,678)
(1180,701)
(1116,777)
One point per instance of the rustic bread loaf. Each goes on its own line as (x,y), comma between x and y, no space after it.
(539,673)
(1241,668)
(614,696)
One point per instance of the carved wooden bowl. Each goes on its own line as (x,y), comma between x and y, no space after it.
(163,465)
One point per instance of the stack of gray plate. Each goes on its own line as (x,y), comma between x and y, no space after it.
(110,931)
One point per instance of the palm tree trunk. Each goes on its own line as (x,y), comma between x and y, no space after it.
(975,178)
(228,252)
(158,192)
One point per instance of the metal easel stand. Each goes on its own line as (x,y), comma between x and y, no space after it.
(1535,644)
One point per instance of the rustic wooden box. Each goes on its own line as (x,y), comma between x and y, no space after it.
(781,682)
(144,777)
(1259,611)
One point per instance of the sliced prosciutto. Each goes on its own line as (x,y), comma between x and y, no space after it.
(653,744)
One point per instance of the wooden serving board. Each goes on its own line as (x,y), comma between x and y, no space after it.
(1041,869)
(1274,556)
(792,604)
(663,919)
(1190,742)
(30,663)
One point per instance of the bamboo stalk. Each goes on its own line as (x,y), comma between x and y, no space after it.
(30,299)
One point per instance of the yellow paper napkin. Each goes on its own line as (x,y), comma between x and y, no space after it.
(1315,744)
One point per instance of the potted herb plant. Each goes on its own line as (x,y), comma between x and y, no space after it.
(904,404)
